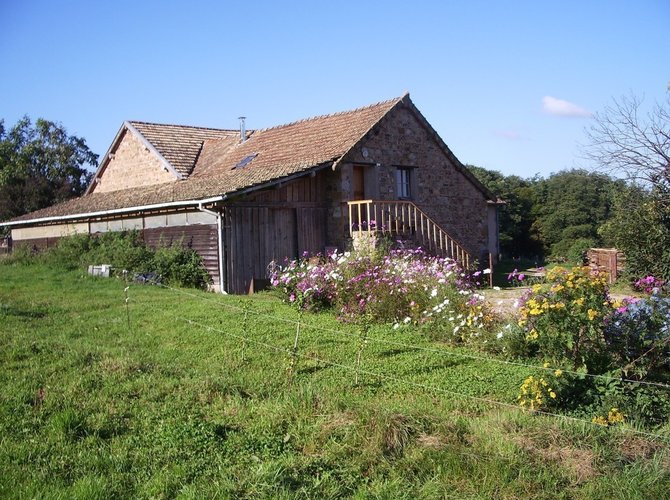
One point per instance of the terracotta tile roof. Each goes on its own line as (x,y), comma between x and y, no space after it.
(180,145)
(289,147)
(280,152)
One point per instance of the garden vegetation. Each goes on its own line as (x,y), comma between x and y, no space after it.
(383,375)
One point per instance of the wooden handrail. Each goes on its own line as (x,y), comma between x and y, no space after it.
(404,218)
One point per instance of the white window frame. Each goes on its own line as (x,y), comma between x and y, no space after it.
(403,180)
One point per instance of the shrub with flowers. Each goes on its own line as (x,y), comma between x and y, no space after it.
(614,416)
(535,394)
(572,323)
(638,336)
(399,286)
(649,285)
(562,319)
(310,283)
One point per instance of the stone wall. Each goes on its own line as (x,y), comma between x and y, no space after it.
(438,188)
(131,165)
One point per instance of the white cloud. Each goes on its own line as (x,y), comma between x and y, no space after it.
(560,107)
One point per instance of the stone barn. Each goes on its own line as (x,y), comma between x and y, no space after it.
(244,198)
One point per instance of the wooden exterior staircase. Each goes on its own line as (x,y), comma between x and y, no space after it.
(404,220)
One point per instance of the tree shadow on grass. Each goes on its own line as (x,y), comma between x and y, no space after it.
(9,310)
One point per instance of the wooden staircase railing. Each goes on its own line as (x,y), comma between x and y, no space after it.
(405,219)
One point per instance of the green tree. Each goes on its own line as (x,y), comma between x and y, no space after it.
(569,207)
(625,140)
(514,218)
(640,228)
(40,165)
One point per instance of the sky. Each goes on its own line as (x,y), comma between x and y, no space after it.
(509,86)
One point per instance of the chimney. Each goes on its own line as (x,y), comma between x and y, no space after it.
(243,129)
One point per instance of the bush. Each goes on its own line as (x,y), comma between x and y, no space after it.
(70,252)
(123,251)
(571,323)
(577,252)
(180,266)
(562,320)
(638,336)
(402,287)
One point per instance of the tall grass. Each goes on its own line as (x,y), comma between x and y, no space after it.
(167,408)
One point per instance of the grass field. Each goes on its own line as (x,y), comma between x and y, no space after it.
(177,395)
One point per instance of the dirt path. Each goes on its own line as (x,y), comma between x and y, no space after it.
(503,301)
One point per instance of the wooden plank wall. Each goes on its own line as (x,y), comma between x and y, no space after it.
(608,260)
(203,238)
(36,244)
(273,225)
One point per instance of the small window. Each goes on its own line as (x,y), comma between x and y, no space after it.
(245,161)
(403,182)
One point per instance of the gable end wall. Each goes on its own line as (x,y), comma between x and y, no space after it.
(131,165)
(439,188)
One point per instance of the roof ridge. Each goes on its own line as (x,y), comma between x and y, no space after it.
(331,115)
(184,126)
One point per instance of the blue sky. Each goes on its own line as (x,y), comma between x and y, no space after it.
(509,86)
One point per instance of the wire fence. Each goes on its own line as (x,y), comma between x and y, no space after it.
(358,341)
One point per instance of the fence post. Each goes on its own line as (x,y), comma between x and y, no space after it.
(125,291)
(293,360)
(362,342)
(244,331)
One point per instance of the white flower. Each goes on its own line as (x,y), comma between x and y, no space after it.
(456,329)
(500,335)
(496,288)
(486,271)
(433,292)
(407,320)
(396,326)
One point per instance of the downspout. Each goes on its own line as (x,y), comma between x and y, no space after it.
(222,260)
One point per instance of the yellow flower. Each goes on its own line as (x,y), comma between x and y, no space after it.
(558,373)
(532,335)
(579,301)
(592,314)
(552,394)
(600,421)
(535,311)
(537,287)
(546,365)
(614,416)
(557,288)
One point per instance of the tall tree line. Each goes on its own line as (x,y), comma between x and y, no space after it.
(557,217)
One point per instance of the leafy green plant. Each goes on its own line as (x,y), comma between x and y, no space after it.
(123,251)
(180,266)
(563,319)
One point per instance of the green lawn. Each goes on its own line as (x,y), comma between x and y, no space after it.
(165,399)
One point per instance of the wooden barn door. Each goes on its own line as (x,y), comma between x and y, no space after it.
(311,230)
(255,236)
